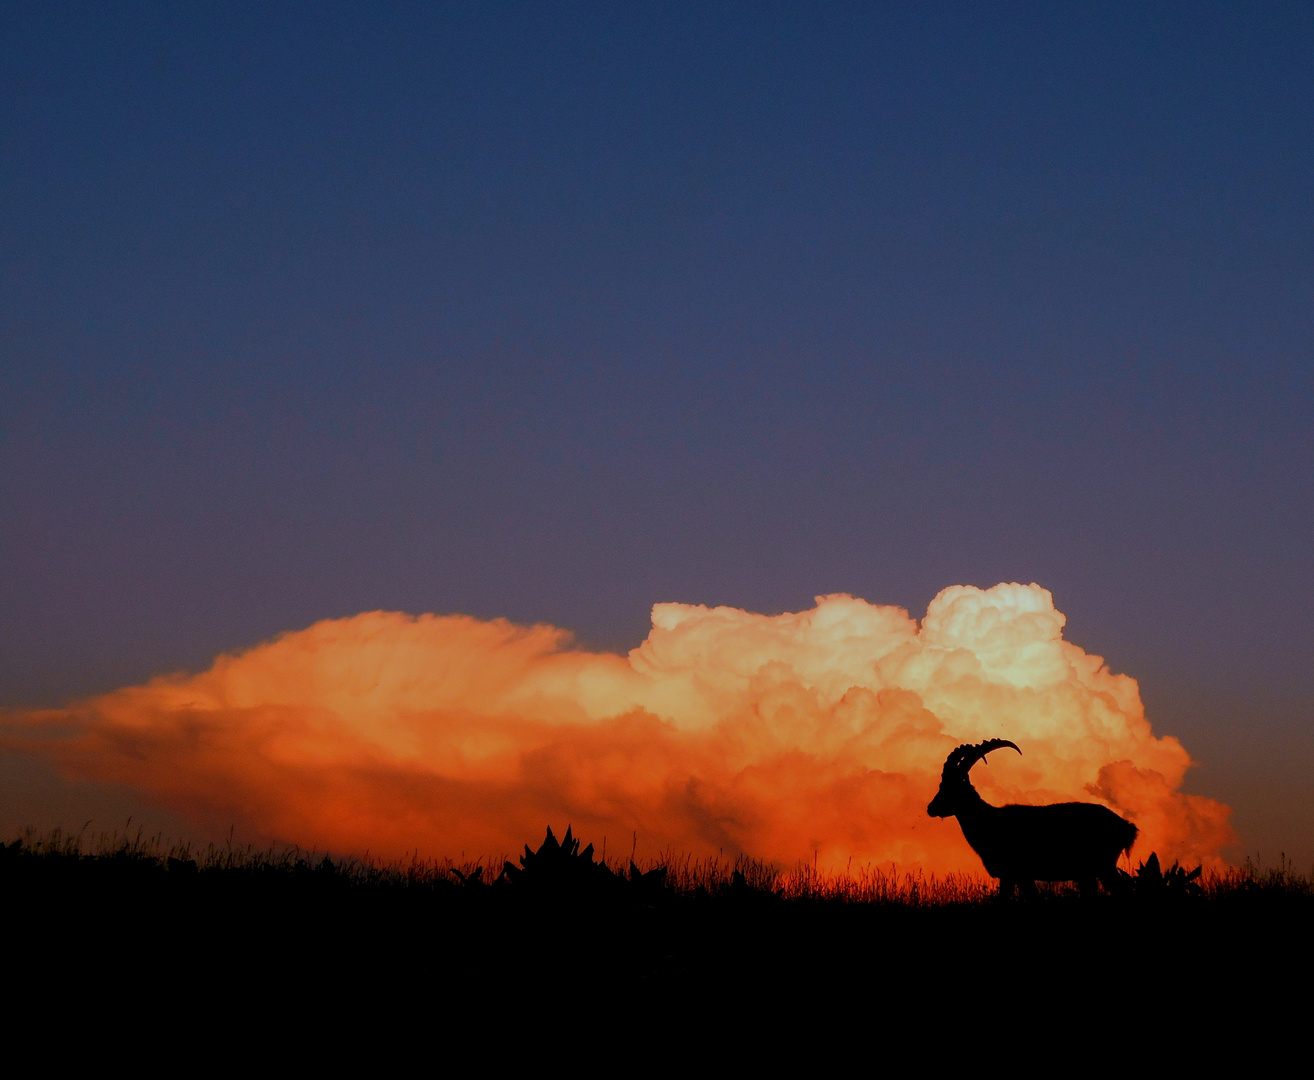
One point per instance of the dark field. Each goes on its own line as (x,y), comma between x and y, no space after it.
(130,932)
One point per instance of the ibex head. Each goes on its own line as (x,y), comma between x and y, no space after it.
(955,788)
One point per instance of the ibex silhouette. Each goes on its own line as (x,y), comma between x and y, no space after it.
(1021,845)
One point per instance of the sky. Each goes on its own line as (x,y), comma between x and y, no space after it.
(550,314)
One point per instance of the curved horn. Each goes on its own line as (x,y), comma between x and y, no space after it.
(967,755)
(994,744)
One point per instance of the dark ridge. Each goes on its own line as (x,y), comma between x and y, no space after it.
(180,932)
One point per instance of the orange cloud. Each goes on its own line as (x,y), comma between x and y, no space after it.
(812,734)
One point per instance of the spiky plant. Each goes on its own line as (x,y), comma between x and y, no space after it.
(473,880)
(1152,880)
(648,879)
(558,866)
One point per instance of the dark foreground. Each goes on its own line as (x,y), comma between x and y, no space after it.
(136,939)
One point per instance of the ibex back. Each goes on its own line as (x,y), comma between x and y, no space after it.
(1021,845)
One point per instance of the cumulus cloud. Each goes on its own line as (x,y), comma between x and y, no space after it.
(811,734)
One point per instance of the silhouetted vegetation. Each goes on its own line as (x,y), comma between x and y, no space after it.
(560,869)
(183,927)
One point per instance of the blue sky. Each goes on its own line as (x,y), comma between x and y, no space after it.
(554,312)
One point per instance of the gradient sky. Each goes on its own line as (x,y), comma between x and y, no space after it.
(555,312)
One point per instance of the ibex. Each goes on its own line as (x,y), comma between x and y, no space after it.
(1021,845)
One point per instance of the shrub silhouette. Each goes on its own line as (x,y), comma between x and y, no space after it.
(473,880)
(1151,880)
(647,885)
(559,866)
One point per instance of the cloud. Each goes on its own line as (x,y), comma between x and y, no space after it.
(811,734)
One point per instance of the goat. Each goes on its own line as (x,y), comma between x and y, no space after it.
(1021,845)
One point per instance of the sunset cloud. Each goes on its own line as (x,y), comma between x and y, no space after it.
(812,734)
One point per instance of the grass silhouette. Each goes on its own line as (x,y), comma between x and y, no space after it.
(117,860)
(184,932)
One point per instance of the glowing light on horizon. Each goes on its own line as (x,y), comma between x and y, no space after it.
(812,734)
